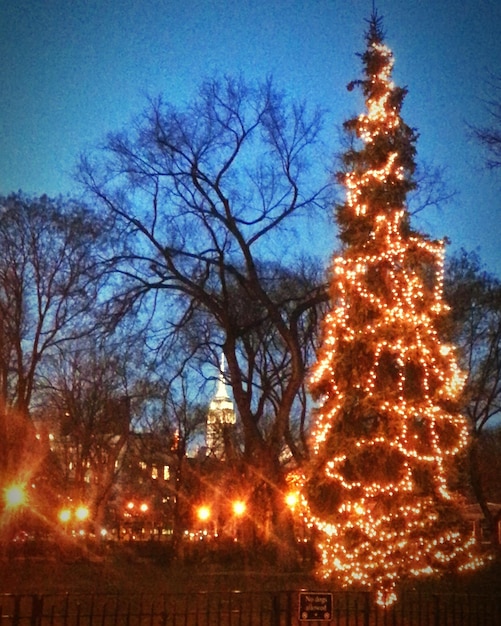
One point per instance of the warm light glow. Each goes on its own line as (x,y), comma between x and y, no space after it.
(15,496)
(203,513)
(130,505)
(239,507)
(64,515)
(143,508)
(292,499)
(81,513)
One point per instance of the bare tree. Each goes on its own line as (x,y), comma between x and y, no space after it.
(183,422)
(174,415)
(94,393)
(475,298)
(210,197)
(50,277)
(490,135)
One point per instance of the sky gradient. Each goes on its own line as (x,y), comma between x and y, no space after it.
(74,70)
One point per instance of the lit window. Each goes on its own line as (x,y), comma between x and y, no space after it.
(166,472)
(154,472)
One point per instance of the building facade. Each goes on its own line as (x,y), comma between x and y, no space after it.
(221,419)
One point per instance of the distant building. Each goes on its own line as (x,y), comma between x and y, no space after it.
(221,419)
(144,501)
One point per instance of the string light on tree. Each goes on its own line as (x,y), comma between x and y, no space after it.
(388,427)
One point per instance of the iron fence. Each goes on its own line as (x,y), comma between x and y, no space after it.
(238,608)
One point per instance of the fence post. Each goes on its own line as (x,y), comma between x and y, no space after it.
(436,604)
(16,611)
(288,620)
(275,610)
(367,609)
(36,610)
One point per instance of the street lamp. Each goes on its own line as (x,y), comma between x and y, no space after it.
(203,513)
(292,499)
(239,508)
(15,496)
(81,513)
(64,515)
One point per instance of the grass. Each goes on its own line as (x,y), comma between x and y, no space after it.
(148,569)
(139,568)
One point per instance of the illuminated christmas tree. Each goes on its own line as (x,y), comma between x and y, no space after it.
(388,426)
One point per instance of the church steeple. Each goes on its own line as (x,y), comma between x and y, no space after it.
(221,417)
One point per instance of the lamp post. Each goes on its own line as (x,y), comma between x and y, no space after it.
(79,515)
(239,508)
(82,513)
(292,499)
(137,520)
(64,516)
(15,496)
(204,514)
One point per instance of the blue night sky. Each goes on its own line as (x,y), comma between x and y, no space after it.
(73,70)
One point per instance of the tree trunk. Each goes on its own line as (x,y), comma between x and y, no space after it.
(479,493)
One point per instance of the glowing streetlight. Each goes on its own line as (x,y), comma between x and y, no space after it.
(143,508)
(81,513)
(239,507)
(15,496)
(292,499)
(203,513)
(64,515)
